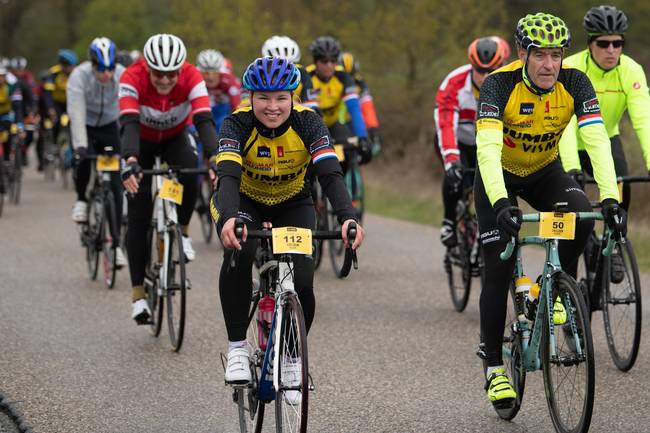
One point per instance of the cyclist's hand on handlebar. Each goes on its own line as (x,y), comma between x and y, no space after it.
(615,217)
(131,175)
(358,240)
(508,216)
(228,236)
(454,172)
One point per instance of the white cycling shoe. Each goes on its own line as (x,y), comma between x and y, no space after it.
(141,312)
(291,375)
(80,212)
(120,259)
(238,371)
(190,254)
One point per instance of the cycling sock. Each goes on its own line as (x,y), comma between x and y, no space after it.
(490,370)
(138,293)
(236,345)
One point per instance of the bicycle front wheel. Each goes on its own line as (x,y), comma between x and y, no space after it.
(93,231)
(568,357)
(176,289)
(622,306)
(203,209)
(108,247)
(151,279)
(291,400)
(335,246)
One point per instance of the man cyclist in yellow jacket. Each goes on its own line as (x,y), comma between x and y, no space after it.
(620,85)
(523,109)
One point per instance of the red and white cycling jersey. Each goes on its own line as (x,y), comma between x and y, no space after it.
(162,116)
(228,91)
(455,112)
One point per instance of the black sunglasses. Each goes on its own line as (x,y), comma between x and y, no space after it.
(605,44)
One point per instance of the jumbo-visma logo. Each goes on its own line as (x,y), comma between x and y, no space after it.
(531,143)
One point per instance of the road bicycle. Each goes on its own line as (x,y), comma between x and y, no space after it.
(12,170)
(278,344)
(464,261)
(203,208)
(99,232)
(165,275)
(531,338)
(612,284)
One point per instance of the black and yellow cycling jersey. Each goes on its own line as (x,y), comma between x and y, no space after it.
(331,94)
(5,99)
(519,130)
(56,83)
(269,165)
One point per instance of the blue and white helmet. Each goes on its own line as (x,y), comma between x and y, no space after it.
(102,54)
(165,52)
(270,74)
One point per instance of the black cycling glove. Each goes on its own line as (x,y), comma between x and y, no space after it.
(454,173)
(130,169)
(615,217)
(508,216)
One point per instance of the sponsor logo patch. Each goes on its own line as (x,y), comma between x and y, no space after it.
(489,110)
(280,151)
(591,106)
(127,91)
(263,152)
(526,108)
(319,144)
(228,145)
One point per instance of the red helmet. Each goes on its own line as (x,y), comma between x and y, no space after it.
(489,53)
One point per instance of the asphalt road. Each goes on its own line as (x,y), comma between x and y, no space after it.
(387,351)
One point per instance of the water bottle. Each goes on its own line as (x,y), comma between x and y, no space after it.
(531,302)
(265,309)
(522,289)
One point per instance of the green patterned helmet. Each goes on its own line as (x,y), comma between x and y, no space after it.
(542,30)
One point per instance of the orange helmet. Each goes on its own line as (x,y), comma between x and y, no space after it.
(489,53)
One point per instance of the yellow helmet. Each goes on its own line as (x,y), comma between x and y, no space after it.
(349,63)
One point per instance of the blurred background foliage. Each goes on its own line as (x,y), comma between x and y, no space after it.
(405,48)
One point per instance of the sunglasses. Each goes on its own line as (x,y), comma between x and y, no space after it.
(325,61)
(100,68)
(160,74)
(605,44)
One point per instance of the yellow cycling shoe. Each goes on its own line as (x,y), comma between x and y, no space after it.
(559,313)
(499,390)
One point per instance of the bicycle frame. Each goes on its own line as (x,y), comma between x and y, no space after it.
(532,338)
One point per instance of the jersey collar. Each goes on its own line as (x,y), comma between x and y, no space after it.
(273,132)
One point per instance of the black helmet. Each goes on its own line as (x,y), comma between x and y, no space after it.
(325,47)
(605,20)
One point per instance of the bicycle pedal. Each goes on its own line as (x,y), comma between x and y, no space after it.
(310,383)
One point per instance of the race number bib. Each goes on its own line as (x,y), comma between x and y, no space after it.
(557,225)
(171,190)
(108,163)
(292,240)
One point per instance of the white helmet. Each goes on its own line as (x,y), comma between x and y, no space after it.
(164,52)
(282,46)
(209,60)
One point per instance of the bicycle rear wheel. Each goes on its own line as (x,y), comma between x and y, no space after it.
(108,247)
(249,409)
(622,307)
(151,281)
(569,372)
(292,398)
(176,289)
(459,269)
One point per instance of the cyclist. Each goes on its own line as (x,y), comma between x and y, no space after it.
(55,82)
(159,96)
(10,112)
(123,57)
(285,47)
(454,118)
(223,88)
(334,87)
(523,110)
(92,95)
(351,65)
(620,85)
(252,143)
(26,83)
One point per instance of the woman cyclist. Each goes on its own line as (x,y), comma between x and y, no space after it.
(264,152)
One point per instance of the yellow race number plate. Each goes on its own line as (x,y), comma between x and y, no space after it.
(340,154)
(171,190)
(292,240)
(557,225)
(108,163)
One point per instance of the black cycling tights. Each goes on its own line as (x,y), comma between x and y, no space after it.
(450,194)
(235,284)
(177,151)
(541,190)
